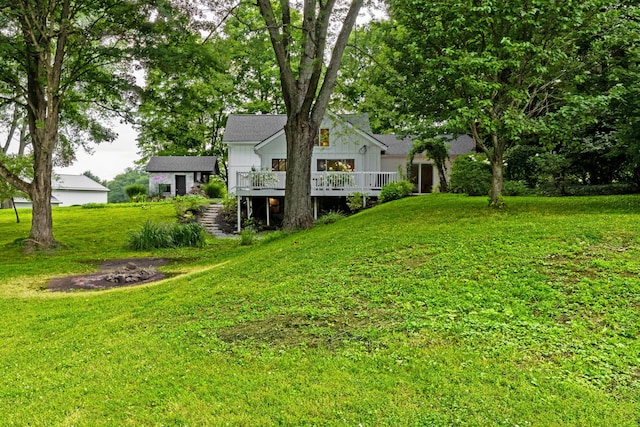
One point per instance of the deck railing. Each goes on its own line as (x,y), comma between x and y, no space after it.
(321,182)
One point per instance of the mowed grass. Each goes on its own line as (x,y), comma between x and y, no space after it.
(431,310)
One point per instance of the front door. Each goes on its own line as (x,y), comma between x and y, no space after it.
(181,185)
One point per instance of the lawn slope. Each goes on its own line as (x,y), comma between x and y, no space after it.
(432,310)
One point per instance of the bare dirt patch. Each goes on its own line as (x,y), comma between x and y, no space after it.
(112,274)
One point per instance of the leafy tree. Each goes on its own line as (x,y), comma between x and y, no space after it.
(94,177)
(492,69)
(306,88)
(436,149)
(59,60)
(118,184)
(367,80)
(19,166)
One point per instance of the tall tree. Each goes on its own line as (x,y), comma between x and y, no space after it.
(490,68)
(58,58)
(306,88)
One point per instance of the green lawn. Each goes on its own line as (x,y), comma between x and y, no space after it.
(432,310)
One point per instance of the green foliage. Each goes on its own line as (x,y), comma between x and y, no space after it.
(215,189)
(188,207)
(230,209)
(247,236)
(471,175)
(94,206)
(395,190)
(134,190)
(330,217)
(168,235)
(117,185)
(20,166)
(355,201)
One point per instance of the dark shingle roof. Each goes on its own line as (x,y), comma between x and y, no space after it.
(253,127)
(183,164)
(258,127)
(400,147)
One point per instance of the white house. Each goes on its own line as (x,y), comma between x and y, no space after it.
(347,158)
(177,175)
(70,190)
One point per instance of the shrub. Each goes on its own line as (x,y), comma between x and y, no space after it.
(247,236)
(395,190)
(189,207)
(471,175)
(515,188)
(94,206)
(330,217)
(230,209)
(215,189)
(134,190)
(355,201)
(163,235)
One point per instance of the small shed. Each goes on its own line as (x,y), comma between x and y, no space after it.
(178,175)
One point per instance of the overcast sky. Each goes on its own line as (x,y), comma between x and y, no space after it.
(108,159)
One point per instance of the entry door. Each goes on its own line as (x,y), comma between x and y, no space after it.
(181,185)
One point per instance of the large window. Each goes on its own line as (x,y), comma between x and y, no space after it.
(336,165)
(279,165)
(323,139)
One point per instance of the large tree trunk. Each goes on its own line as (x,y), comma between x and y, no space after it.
(40,192)
(298,210)
(496,181)
(442,176)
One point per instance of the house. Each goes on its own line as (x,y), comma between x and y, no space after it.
(77,190)
(23,202)
(424,174)
(70,190)
(347,158)
(178,175)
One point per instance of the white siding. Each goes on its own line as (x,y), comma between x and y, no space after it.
(79,197)
(242,158)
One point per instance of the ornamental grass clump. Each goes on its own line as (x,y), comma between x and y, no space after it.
(165,235)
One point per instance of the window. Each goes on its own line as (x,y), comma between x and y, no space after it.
(164,188)
(323,140)
(279,165)
(336,165)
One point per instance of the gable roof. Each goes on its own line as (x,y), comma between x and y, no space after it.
(400,147)
(252,127)
(183,164)
(63,182)
(258,127)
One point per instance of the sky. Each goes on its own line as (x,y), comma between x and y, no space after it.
(108,159)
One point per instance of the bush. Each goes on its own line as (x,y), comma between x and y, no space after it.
(471,175)
(215,190)
(189,207)
(163,235)
(247,236)
(134,190)
(515,188)
(395,190)
(230,209)
(355,201)
(94,206)
(330,217)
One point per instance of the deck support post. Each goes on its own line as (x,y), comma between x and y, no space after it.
(268,209)
(315,208)
(239,214)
